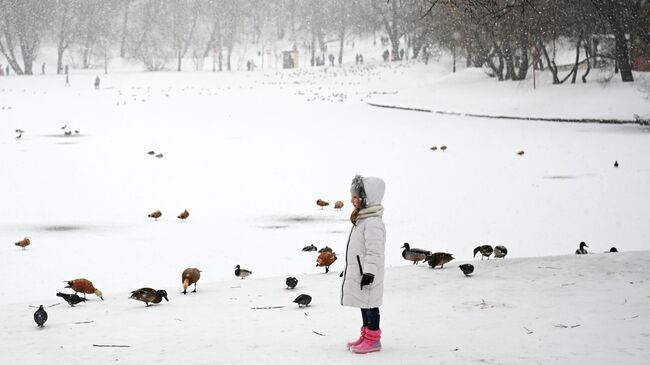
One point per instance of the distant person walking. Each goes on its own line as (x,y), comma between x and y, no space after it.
(363,277)
(97,82)
(385,55)
(66,69)
(331,59)
(43,69)
(67,80)
(7,73)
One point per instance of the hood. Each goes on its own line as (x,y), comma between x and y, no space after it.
(369,188)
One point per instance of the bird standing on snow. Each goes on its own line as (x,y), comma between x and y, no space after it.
(338,205)
(581,250)
(291,282)
(467,269)
(326,259)
(155,215)
(325,249)
(40,316)
(242,273)
(84,286)
(613,249)
(302,300)
(190,276)
(485,250)
(500,251)
(72,299)
(438,258)
(414,254)
(309,248)
(616,163)
(184,214)
(322,203)
(149,295)
(23,243)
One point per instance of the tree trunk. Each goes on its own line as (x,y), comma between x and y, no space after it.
(575,66)
(124,28)
(622,55)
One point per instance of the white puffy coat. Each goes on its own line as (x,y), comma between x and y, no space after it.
(366,246)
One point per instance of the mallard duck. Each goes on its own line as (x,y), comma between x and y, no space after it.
(302,300)
(72,299)
(414,254)
(149,295)
(40,316)
(467,269)
(500,251)
(325,249)
(326,259)
(485,250)
(581,250)
(84,286)
(322,203)
(242,273)
(438,258)
(190,276)
(291,282)
(309,248)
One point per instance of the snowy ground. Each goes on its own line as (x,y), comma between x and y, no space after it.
(248,154)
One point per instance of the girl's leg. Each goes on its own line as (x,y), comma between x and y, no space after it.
(372,317)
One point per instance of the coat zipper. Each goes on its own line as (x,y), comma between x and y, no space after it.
(345,271)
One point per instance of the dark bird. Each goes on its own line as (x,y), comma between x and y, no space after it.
(326,259)
(155,215)
(302,300)
(338,205)
(40,316)
(190,276)
(309,248)
(76,131)
(19,135)
(72,299)
(242,273)
(414,254)
(613,249)
(438,258)
(160,155)
(433,148)
(467,269)
(184,214)
(520,153)
(151,153)
(322,203)
(485,250)
(67,133)
(84,286)
(325,249)
(23,243)
(443,148)
(581,250)
(291,282)
(149,295)
(64,126)
(500,251)
(616,163)
(20,130)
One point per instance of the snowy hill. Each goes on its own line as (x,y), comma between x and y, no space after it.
(563,310)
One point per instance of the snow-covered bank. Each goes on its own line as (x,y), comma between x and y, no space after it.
(569,309)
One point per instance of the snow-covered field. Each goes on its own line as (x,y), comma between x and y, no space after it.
(248,154)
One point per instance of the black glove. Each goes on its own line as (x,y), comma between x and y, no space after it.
(367,279)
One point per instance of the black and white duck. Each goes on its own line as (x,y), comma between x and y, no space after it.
(467,269)
(242,273)
(438,259)
(149,295)
(500,251)
(414,254)
(581,250)
(302,300)
(485,250)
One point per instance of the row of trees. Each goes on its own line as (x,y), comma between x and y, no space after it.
(507,36)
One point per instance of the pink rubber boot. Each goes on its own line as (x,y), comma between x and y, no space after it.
(358,342)
(371,343)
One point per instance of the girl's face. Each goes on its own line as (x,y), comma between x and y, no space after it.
(356,201)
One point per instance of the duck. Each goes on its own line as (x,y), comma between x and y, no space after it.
(242,273)
(291,282)
(520,153)
(467,269)
(84,286)
(149,295)
(160,155)
(155,215)
(500,251)
(414,254)
(438,258)
(325,249)
(190,276)
(309,248)
(433,148)
(302,300)
(485,250)
(23,243)
(184,214)
(581,250)
(151,153)
(322,203)
(616,163)
(326,259)
(40,316)
(613,249)
(338,205)
(443,148)
(72,299)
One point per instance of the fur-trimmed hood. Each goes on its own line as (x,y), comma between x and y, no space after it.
(369,188)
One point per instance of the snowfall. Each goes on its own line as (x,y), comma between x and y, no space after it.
(249,153)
